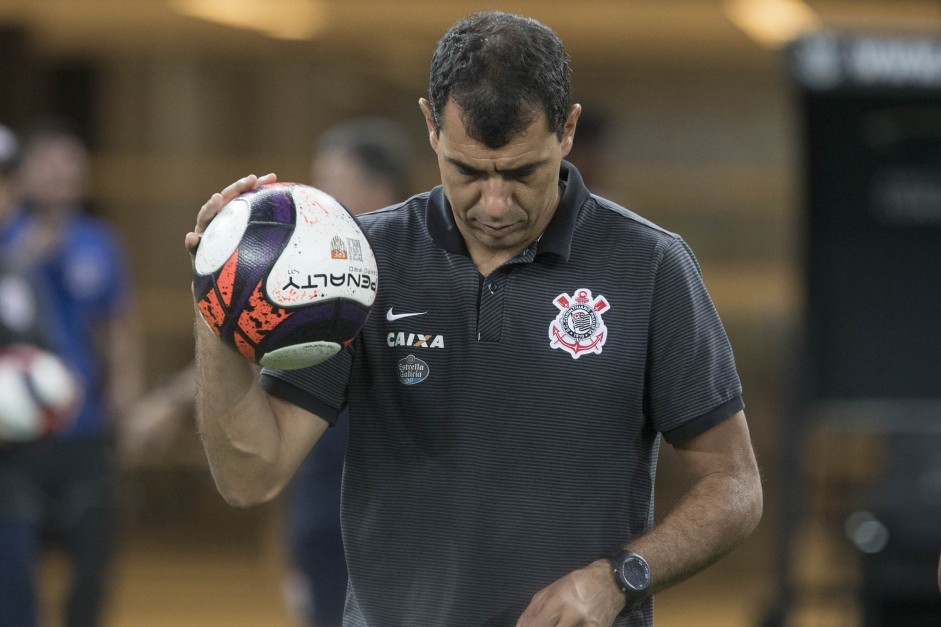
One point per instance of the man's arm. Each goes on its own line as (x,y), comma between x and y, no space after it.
(123,364)
(721,508)
(254,442)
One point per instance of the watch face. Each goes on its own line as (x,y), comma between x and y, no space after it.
(634,573)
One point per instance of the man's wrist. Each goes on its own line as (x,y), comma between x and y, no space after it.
(631,575)
(615,598)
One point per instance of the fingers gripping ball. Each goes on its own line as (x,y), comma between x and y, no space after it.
(39,395)
(284,275)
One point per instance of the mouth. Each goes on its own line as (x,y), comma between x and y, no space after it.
(496,230)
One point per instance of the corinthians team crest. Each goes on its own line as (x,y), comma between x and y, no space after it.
(579,328)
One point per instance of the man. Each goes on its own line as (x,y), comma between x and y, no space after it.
(66,483)
(550,336)
(24,318)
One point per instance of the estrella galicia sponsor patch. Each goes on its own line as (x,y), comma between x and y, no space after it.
(412,370)
(579,329)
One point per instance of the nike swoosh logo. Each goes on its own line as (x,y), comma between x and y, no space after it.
(392,317)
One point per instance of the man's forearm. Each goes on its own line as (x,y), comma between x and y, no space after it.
(713,517)
(716,514)
(236,424)
(124,364)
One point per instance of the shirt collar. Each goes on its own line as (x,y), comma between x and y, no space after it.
(556,239)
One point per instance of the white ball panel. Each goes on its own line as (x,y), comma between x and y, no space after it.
(20,416)
(222,236)
(327,255)
(299,355)
(54,384)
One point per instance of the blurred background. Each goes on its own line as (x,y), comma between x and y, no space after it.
(704,123)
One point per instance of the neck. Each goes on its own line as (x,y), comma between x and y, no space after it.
(486,261)
(486,266)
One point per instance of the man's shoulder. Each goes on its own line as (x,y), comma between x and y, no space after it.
(398,220)
(608,217)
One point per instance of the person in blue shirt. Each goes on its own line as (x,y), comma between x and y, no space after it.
(64,486)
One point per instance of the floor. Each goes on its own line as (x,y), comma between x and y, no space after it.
(162,588)
(188,559)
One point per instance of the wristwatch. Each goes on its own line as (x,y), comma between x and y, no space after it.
(632,575)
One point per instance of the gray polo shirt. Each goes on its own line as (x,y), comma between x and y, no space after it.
(504,430)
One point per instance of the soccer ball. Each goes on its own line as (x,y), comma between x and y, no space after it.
(284,275)
(39,395)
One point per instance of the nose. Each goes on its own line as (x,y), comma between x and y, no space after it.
(497,197)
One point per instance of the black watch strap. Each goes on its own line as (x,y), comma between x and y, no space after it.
(631,574)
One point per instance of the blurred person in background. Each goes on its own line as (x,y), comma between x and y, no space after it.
(21,322)
(896,532)
(67,482)
(25,321)
(591,153)
(24,316)
(512,484)
(9,155)
(364,163)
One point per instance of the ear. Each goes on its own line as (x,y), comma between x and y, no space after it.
(430,123)
(568,132)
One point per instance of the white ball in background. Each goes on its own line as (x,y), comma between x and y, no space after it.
(39,395)
(20,415)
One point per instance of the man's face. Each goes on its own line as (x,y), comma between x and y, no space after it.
(502,198)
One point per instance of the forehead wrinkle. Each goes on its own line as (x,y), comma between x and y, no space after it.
(523,166)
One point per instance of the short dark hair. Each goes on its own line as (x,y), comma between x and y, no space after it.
(500,69)
(53,127)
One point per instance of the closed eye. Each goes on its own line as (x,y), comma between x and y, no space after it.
(465,171)
(521,173)
(524,171)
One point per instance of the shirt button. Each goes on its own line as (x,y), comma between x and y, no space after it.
(492,287)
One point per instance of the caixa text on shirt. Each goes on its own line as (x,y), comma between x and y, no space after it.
(414,340)
(347,279)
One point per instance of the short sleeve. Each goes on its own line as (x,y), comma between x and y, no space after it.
(692,383)
(319,389)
